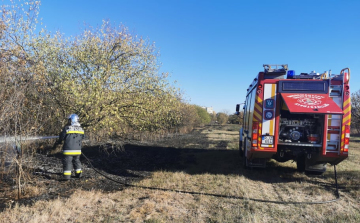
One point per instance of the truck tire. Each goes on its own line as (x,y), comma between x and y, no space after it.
(240,149)
(245,160)
(317,169)
(300,163)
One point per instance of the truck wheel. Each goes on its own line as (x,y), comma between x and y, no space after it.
(240,149)
(300,163)
(245,160)
(317,169)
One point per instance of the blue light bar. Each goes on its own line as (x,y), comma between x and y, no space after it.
(290,74)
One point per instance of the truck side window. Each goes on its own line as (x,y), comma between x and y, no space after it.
(248,110)
(246,113)
(251,110)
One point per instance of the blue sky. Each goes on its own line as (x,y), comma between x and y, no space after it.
(214,49)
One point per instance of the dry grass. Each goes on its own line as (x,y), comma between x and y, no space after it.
(208,137)
(216,169)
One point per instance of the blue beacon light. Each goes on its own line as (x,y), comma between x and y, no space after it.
(290,74)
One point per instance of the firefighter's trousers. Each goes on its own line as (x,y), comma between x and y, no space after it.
(68,161)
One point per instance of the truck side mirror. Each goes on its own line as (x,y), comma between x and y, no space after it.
(237,109)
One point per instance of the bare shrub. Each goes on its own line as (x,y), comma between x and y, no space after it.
(355,111)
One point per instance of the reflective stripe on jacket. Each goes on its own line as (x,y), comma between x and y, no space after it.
(72,152)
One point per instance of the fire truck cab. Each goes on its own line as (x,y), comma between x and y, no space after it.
(305,118)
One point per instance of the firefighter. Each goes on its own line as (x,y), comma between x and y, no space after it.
(72,135)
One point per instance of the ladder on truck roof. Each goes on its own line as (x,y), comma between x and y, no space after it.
(275,71)
(270,68)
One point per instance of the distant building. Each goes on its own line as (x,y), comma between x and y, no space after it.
(209,110)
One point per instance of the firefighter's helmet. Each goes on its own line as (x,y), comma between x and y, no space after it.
(74,119)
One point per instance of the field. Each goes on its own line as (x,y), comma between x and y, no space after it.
(196,177)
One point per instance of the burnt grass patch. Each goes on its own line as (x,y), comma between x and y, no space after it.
(130,164)
(135,162)
(125,166)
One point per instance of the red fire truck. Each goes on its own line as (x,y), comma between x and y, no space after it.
(305,118)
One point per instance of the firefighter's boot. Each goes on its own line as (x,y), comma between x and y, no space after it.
(67,167)
(77,165)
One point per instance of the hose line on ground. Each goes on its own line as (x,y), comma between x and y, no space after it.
(220,195)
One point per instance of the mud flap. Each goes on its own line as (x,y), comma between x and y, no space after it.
(261,163)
